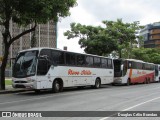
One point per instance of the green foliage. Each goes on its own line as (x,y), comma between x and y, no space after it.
(124,34)
(25,12)
(8,82)
(115,36)
(94,40)
(147,54)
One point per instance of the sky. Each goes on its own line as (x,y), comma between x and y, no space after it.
(93,12)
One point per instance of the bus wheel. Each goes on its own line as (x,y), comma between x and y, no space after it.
(145,81)
(128,82)
(148,80)
(56,86)
(37,91)
(113,84)
(97,83)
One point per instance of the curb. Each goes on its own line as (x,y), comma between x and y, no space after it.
(11,91)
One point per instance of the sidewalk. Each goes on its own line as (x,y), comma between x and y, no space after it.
(10,89)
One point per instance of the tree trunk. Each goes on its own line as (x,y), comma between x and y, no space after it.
(120,54)
(7,43)
(3,66)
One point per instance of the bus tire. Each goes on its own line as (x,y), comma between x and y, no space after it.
(113,84)
(37,91)
(148,80)
(128,82)
(145,81)
(97,83)
(57,86)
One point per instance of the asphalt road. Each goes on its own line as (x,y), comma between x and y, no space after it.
(142,97)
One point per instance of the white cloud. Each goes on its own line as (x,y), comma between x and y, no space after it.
(92,12)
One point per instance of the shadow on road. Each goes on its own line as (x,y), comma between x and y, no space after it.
(77,89)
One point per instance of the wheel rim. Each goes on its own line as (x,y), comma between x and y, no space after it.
(97,84)
(57,86)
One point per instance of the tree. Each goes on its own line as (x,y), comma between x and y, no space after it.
(94,40)
(25,12)
(124,34)
(115,36)
(147,54)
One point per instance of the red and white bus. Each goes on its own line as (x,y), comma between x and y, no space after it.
(47,68)
(157,73)
(130,71)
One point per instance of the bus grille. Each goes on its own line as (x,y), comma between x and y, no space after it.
(20,82)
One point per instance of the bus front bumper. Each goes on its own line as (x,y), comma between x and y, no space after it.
(23,85)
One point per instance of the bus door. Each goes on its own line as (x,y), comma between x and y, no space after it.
(42,72)
(118,68)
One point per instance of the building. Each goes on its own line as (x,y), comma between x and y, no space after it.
(44,36)
(151,35)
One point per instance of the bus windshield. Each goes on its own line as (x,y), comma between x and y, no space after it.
(25,64)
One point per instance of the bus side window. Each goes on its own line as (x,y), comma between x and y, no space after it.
(109,63)
(97,62)
(43,66)
(89,61)
(70,59)
(129,64)
(81,60)
(67,59)
(46,52)
(104,63)
(73,59)
(55,57)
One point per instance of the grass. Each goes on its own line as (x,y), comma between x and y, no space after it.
(8,82)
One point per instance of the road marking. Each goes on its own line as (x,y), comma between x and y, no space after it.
(132,107)
(141,104)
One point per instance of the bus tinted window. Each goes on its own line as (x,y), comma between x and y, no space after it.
(73,59)
(61,58)
(70,59)
(89,61)
(104,63)
(81,60)
(57,57)
(67,58)
(43,67)
(97,62)
(46,52)
(109,63)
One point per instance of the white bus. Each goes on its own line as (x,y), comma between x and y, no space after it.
(47,68)
(130,71)
(157,73)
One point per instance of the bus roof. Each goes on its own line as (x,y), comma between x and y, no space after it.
(135,60)
(40,48)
